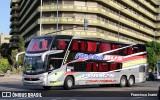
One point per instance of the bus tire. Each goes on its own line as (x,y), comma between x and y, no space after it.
(123,81)
(68,83)
(131,81)
(46,87)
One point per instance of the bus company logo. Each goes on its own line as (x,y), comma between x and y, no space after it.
(6,94)
(113,58)
(89,56)
(100,81)
(97,75)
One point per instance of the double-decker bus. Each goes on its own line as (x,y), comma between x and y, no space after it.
(64,60)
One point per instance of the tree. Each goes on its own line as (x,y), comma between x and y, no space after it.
(4,50)
(153,53)
(21,44)
(14,52)
(4,64)
(13,57)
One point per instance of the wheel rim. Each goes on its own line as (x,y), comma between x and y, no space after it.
(131,81)
(123,82)
(70,83)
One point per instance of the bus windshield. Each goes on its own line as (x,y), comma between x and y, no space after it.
(33,65)
(39,44)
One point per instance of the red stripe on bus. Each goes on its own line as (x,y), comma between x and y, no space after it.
(134,58)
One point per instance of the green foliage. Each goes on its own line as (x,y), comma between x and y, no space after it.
(4,65)
(153,53)
(4,50)
(14,52)
(21,44)
(14,70)
(13,56)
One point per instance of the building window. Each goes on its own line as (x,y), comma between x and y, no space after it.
(91,16)
(68,2)
(46,15)
(6,38)
(69,15)
(80,3)
(91,4)
(79,15)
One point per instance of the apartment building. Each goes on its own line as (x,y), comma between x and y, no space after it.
(4,38)
(119,20)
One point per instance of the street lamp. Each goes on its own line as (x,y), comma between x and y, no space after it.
(57,16)
(119,12)
(41,20)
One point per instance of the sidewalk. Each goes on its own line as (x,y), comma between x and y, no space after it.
(12,77)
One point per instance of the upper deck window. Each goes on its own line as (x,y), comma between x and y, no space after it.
(92,46)
(105,47)
(39,44)
(60,44)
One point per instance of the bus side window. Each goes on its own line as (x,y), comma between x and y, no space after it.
(113,66)
(115,46)
(103,67)
(130,50)
(83,45)
(119,66)
(125,51)
(61,45)
(89,67)
(95,67)
(135,50)
(44,44)
(75,45)
(105,47)
(82,67)
(92,46)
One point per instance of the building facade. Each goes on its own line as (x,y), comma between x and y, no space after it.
(119,20)
(4,38)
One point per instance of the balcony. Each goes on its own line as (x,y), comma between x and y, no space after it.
(14,23)
(97,10)
(129,2)
(14,38)
(94,22)
(14,45)
(14,8)
(101,11)
(148,5)
(14,30)
(14,15)
(155,2)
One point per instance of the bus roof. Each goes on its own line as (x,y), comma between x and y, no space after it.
(84,38)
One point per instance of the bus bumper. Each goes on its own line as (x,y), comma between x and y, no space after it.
(30,83)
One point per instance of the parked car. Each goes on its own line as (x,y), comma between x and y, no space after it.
(155,75)
(149,76)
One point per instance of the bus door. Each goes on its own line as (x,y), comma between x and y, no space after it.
(54,73)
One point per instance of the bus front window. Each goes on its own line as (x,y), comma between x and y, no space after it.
(33,65)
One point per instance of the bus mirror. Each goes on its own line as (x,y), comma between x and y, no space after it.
(18,55)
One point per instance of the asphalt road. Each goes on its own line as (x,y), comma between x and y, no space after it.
(13,84)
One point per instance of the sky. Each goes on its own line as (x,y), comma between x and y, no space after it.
(5,16)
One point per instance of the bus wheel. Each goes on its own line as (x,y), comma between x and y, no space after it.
(123,81)
(131,81)
(46,87)
(68,83)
